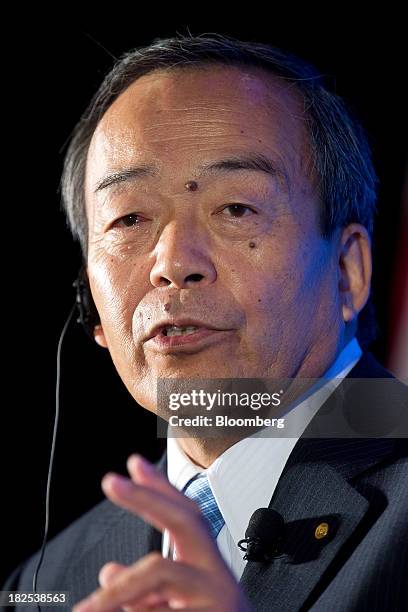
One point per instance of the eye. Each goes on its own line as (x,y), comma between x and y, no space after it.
(128,221)
(237,210)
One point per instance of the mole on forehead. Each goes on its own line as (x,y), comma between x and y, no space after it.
(191,185)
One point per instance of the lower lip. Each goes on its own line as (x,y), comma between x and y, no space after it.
(201,337)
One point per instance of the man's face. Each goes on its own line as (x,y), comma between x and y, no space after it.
(240,259)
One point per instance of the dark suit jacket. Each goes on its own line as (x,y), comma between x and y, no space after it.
(359,486)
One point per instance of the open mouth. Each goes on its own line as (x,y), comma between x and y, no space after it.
(174,330)
(187,336)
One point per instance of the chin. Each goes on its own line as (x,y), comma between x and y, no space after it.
(195,372)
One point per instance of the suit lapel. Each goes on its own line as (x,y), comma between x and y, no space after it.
(331,501)
(316,487)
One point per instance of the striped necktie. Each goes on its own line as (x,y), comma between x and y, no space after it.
(198,489)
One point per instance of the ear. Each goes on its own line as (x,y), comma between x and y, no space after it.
(100,336)
(355,267)
(98,333)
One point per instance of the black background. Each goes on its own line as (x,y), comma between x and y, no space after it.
(55,68)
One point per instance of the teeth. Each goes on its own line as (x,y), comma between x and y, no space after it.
(173,330)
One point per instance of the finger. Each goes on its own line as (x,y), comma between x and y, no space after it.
(144,473)
(184,521)
(109,571)
(150,602)
(152,574)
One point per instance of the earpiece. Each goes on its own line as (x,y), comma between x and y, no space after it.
(88,315)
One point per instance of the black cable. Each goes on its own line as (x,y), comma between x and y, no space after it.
(54,437)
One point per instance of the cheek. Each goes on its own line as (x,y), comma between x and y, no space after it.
(117,290)
(284,280)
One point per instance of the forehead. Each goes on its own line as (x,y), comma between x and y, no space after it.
(182,115)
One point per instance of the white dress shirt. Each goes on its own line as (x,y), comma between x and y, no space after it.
(244,477)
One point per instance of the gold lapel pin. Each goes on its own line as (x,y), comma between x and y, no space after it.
(321,531)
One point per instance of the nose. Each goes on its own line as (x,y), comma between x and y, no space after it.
(182,258)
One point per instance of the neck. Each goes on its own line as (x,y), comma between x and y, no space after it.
(204,451)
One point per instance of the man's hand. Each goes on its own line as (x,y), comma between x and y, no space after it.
(198,580)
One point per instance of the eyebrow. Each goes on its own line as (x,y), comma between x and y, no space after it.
(129,174)
(245,161)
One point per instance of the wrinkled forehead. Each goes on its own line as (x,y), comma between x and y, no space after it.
(178,115)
